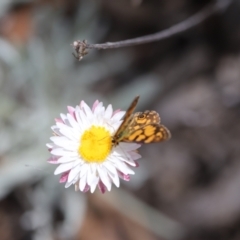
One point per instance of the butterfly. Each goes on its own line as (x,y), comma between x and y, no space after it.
(140,127)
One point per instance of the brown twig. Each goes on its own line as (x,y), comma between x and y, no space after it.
(81,47)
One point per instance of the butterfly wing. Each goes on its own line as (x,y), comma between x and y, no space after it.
(123,129)
(144,118)
(148,134)
(145,127)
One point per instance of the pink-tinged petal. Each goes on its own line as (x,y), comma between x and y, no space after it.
(50,146)
(86,189)
(125,177)
(137,164)
(64,177)
(102,187)
(71,110)
(53,160)
(95,105)
(81,104)
(58,120)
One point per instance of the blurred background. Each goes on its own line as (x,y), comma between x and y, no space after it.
(187,188)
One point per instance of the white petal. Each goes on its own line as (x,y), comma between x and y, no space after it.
(99,111)
(127,160)
(50,145)
(84,119)
(73,122)
(68,184)
(91,177)
(109,166)
(115,180)
(63,117)
(97,108)
(84,170)
(113,175)
(94,185)
(87,110)
(77,114)
(104,177)
(67,131)
(129,146)
(55,129)
(66,159)
(116,125)
(64,167)
(83,182)
(118,116)
(74,172)
(108,112)
(123,156)
(62,152)
(135,155)
(122,167)
(95,105)
(64,142)
(93,167)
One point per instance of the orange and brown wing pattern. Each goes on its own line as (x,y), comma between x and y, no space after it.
(145,127)
(141,119)
(149,133)
(122,130)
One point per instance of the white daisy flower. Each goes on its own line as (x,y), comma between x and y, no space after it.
(82,146)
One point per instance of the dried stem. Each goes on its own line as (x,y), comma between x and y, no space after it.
(81,47)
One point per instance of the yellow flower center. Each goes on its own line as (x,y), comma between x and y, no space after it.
(96,144)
